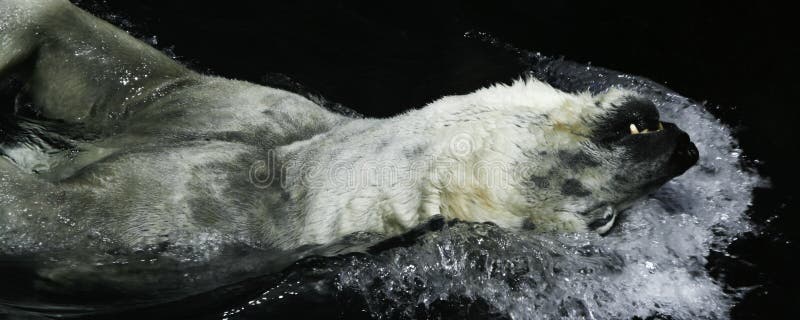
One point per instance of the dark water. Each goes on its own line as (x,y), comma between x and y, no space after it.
(382,60)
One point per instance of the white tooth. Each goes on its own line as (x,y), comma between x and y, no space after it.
(634,129)
(660,126)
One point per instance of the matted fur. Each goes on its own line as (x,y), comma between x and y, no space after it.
(178,157)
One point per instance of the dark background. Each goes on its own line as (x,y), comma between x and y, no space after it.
(381,59)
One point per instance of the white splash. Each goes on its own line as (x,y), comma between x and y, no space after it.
(651,264)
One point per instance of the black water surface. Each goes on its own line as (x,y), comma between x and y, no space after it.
(381,59)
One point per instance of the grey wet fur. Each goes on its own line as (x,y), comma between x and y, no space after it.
(165,155)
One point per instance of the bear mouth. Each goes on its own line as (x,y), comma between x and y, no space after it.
(635,123)
(666,142)
(667,148)
(684,156)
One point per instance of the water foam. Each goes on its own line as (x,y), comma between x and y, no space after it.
(651,264)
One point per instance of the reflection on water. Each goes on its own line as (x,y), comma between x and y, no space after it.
(651,264)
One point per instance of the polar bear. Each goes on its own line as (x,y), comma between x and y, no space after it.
(122,141)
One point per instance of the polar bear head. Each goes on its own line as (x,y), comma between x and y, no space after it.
(529,155)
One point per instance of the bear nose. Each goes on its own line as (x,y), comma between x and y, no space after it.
(685,154)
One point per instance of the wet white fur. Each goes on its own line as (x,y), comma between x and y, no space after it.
(491,128)
(154,180)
